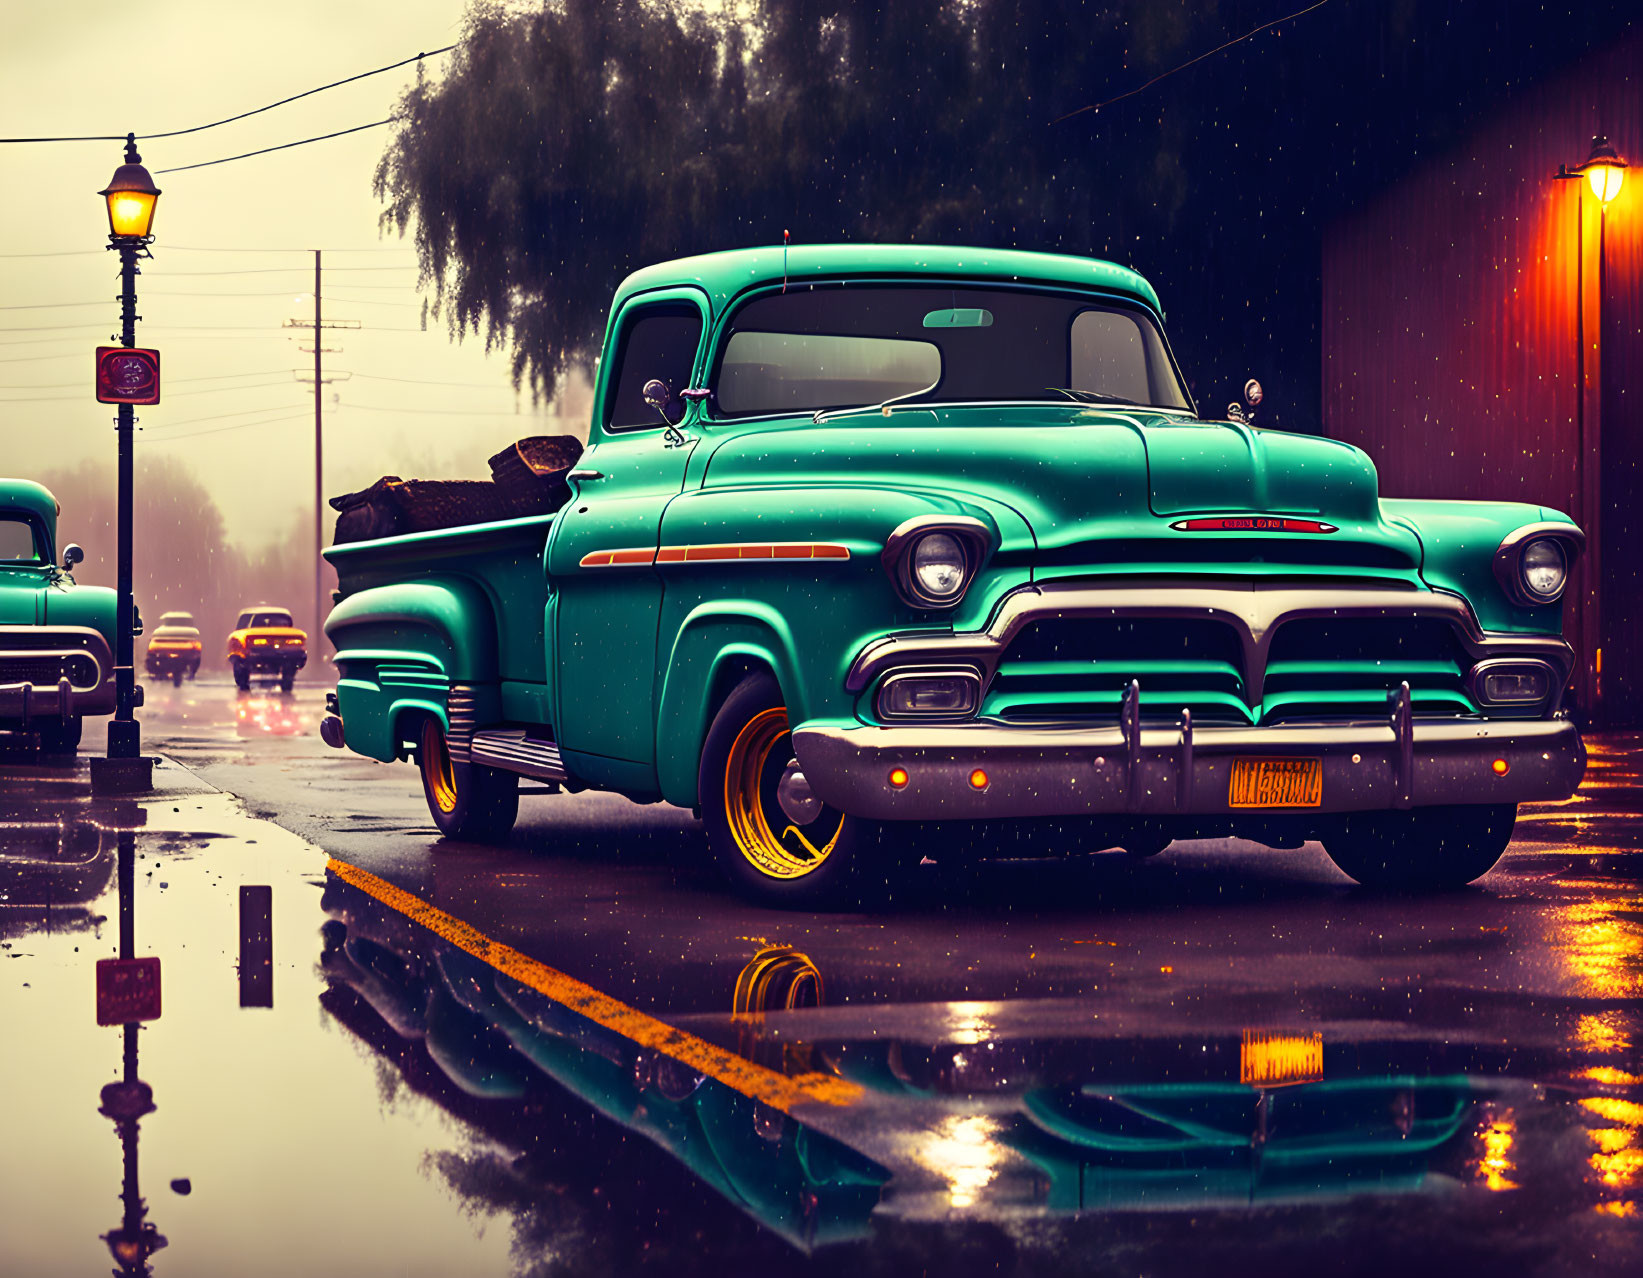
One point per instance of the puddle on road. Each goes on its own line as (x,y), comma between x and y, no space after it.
(278,1143)
(422,1100)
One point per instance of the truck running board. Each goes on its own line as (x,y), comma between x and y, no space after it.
(508,749)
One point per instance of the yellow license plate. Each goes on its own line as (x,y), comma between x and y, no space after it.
(1276,783)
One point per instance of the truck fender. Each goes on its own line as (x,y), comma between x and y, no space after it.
(400,647)
(716,639)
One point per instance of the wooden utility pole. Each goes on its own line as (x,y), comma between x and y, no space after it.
(318,324)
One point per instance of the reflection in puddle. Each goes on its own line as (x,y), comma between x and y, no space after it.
(975,1126)
(1495,1165)
(964,1151)
(267,714)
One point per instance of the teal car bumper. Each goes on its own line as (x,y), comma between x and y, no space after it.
(1192,698)
(54,671)
(982,771)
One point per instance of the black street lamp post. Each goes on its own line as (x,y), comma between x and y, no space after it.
(131,197)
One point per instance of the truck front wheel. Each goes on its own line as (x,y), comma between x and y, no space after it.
(771,838)
(466,800)
(242,674)
(1423,849)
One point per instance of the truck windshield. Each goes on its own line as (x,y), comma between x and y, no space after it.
(256,620)
(18,544)
(836,346)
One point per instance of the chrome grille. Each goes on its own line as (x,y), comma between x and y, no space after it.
(1070,668)
(45,669)
(1320,667)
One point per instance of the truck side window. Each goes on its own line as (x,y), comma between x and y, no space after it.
(659,341)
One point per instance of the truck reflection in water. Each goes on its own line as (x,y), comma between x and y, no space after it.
(496,1039)
(972,1127)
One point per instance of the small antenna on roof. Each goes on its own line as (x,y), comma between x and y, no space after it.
(786,236)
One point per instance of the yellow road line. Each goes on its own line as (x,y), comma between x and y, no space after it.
(779,1091)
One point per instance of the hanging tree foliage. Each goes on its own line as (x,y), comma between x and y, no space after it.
(568,145)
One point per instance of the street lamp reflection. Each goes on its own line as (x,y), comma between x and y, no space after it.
(964,1151)
(1495,1163)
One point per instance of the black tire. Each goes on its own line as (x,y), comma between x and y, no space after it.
(192,671)
(832,860)
(466,800)
(288,677)
(1424,849)
(242,674)
(176,678)
(60,736)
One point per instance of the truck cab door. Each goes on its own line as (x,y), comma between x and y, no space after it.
(605,596)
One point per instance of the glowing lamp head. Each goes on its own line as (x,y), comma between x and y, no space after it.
(1501,767)
(131,196)
(1604,170)
(898,778)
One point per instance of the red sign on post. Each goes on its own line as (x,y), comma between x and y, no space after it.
(128,990)
(128,375)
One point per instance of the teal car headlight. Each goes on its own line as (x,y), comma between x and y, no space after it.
(933,559)
(1533,562)
(1545,569)
(939,566)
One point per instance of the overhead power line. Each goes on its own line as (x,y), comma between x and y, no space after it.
(1208,53)
(200,128)
(284,146)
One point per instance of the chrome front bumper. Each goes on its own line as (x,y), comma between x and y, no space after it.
(1175,772)
(37,695)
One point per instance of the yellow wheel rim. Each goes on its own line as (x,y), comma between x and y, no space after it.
(757,759)
(436,767)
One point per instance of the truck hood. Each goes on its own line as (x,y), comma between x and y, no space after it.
(36,597)
(20,592)
(1074,473)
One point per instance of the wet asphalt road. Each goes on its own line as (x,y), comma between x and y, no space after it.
(576,1054)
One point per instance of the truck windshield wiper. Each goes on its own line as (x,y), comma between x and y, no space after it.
(1095,397)
(822,414)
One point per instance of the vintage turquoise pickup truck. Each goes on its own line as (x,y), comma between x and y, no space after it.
(56,637)
(869,540)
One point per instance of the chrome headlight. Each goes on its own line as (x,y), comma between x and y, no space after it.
(933,559)
(939,566)
(1533,562)
(1544,567)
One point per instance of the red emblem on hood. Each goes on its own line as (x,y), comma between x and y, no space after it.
(1253,523)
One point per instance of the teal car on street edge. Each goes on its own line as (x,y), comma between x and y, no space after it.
(56,637)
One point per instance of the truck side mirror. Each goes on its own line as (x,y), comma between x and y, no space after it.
(659,395)
(72,554)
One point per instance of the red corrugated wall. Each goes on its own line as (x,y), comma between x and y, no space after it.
(1450,338)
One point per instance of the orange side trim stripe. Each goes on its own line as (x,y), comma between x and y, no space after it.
(779,1091)
(738,550)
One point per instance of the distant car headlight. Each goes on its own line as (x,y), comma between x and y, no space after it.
(1544,568)
(939,566)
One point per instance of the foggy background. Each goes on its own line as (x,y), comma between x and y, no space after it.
(568,143)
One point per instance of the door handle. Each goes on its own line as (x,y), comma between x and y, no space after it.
(586,474)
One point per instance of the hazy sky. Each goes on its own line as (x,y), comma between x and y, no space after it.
(417,401)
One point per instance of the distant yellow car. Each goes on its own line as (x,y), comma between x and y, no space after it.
(264,642)
(174,648)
